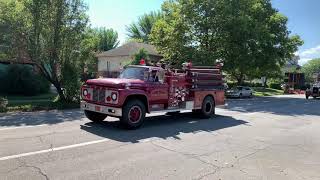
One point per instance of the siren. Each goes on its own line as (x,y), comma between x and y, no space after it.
(142,62)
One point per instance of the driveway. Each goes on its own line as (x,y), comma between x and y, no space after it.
(259,138)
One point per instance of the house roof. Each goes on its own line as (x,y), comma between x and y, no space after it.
(129,49)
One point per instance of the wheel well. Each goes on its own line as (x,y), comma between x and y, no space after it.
(210,95)
(140,97)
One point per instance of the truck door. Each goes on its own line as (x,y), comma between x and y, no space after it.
(158,89)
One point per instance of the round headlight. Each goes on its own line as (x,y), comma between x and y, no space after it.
(85,92)
(114,96)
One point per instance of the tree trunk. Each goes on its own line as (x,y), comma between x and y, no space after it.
(54,82)
(265,83)
(240,80)
(60,91)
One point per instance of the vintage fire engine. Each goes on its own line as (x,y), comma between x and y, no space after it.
(146,89)
(314,91)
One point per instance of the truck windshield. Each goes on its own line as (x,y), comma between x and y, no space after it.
(133,73)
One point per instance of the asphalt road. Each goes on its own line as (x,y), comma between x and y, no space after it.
(259,138)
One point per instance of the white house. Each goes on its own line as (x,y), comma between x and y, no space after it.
(111,62)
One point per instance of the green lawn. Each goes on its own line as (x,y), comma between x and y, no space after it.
(260,91)
(34,103)
(46,96)
(39,100)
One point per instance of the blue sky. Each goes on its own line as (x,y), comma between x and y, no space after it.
(304,19)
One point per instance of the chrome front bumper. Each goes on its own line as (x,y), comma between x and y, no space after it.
(112,111)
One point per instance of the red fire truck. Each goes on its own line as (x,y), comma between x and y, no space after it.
(146,89)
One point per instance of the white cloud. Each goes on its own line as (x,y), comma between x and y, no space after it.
(309,54)
(311,51)
(304,60)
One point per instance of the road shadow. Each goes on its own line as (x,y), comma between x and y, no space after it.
(281,105)
(163,126)
(39,118)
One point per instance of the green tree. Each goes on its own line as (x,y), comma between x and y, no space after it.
(249,36)
(141,29)
(141,54)
(310,68)
(88,48)
(13,25)
(48,33)
(107,39)
(95,40)
(169,35)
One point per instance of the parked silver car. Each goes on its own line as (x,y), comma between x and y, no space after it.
(239,92)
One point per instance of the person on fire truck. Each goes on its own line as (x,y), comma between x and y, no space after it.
(153,76)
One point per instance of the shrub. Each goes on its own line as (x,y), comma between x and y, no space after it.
(3,73)
(231,84)
(3,104)
(275,86)
(71,83)
(141,54)
(20,79)
(234,84)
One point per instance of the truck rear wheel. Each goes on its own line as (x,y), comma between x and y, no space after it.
(94,116)
(208,107)
(133,114)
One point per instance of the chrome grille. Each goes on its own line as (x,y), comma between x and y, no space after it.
(98,95)
(102,95)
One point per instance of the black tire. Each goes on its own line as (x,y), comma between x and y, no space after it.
(130,118)
(240,96)
(307,96)
(208,107)
(94,116)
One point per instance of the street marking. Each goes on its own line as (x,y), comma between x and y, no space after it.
(53,149)
(20,127)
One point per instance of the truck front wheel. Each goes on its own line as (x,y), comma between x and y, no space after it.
(133,114)
(94,116)
(208,107)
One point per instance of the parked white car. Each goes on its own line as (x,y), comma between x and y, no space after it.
(239,92)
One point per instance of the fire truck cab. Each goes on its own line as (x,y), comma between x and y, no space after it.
(146,89)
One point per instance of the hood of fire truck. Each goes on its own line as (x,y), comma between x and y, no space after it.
(116,82)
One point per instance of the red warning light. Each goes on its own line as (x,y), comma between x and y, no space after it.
(142,62)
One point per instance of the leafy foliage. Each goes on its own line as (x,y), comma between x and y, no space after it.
(141,29)
(88,47)
(54,36)
(95,40)
(249,36)
(3,104)
(107,39)
(21,79)
(275,86)
(310,68)
(13,24)
(47,33)
(141,54)
(71,83)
